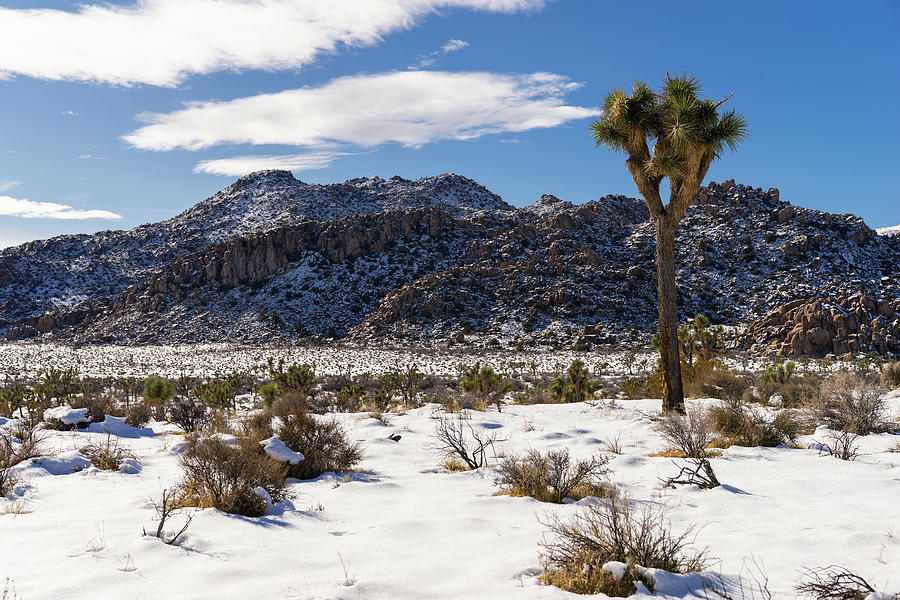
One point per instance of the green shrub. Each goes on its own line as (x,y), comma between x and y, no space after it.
(157,390)
(485,385)
(294,383)
(268,393)
(576,386)
(216,394)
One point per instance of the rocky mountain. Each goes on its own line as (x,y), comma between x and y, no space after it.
(442,258)
(889,231)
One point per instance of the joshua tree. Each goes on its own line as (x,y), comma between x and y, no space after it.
(687,135)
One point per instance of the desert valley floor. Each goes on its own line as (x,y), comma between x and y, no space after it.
(401,526)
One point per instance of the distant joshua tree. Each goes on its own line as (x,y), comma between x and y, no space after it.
(687,135)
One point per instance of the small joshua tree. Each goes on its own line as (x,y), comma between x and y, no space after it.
(577,386)
(485,384)
(688,133)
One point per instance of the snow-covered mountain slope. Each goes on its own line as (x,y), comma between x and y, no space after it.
(889,231)
(80,271)
(438,258)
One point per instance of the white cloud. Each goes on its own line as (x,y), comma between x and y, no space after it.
(91,157)
(241,165)
(428,60)
(6,185)
(409,107)
(160,42)
(70,113)
(453,46)
(19,207)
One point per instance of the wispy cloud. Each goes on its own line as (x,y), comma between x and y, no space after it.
(6,185)
(428,60)
(91,157)
(241,165)
(20,207)
(409,107)
(161,42)
(70,113)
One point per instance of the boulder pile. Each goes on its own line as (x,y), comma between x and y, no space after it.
(847,325)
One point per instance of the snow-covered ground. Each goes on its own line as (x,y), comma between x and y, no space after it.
(404,528)
(25,359)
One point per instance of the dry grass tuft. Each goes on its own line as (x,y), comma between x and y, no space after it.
(107,455)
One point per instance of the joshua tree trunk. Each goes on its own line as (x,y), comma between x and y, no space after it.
(673,395)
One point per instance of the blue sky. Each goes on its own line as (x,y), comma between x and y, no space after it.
(129,110)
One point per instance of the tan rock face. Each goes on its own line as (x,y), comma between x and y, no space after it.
(815,327)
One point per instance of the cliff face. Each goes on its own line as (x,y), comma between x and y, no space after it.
(442,257)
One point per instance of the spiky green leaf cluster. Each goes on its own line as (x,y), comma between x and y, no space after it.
(687,131)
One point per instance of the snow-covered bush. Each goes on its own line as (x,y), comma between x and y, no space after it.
(230,477)
(65,418)
(554,476)
(323,443)
(607,546)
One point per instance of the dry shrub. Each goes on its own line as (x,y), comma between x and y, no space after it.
(890,375)
(740,425)
(848,402)
(257,427)
(554,476)
(841,444)
(838,583)
(107,455)
(225,477)
(322,442)
(188,414)
(718,382)
(455,437)
(17,444)
(167,507)
(612,530)
(691,435)
(633,388)
(138,415)
(800,392)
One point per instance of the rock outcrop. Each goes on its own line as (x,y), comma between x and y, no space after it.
(841,326)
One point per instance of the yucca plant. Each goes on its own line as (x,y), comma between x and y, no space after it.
(687,133)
